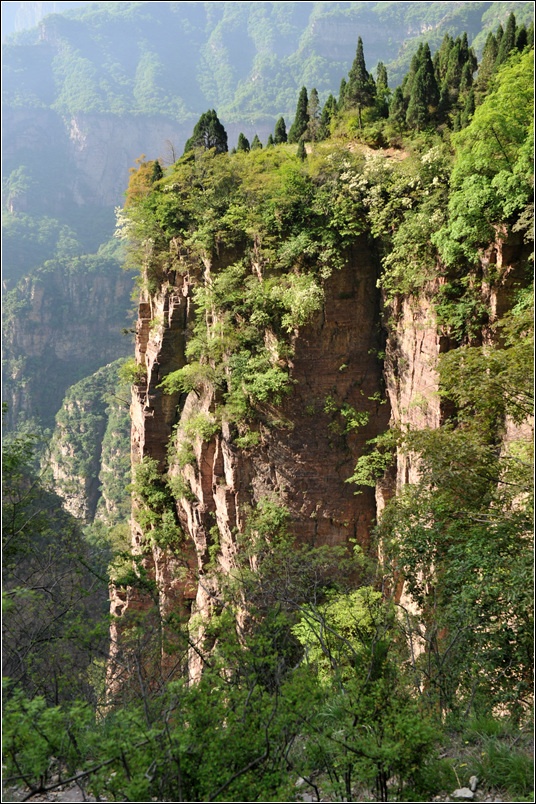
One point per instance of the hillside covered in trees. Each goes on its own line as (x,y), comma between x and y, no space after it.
(320,569)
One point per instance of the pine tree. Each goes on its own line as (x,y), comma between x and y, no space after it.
(208,133)
(522,38)
(487,65)
(301,119)
(256,143)
(441,58)
(430,83)
(468,109)
(280,132)
(409,78)
(397,108)
(243,143)
(466,80)
(360,89)
(424,98)
(270,142)
(342,94)
(301,152)
(382,90)
(328,112)
(313,110)
(508,40)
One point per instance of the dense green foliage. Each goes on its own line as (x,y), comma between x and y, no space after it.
(54,636)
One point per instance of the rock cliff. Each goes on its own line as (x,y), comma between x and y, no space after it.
(305,451)
(58,329)
(304,454)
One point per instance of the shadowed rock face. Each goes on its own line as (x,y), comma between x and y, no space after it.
(305,453)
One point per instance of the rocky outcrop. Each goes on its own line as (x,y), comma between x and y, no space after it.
(304,455)
(90,447)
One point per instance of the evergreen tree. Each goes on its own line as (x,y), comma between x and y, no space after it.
(441,58)
(301,153)
(508,40)
(243,143)
(158,173)
(466,80)
(409,78)
(360,89)
(313,110)
(208,133)
(487,64)
(468,109)
(256,143)
(461,65)
(398,108)
(428,77)
(270,142)
(342,94)
(417,115)
(382,90)
(280,132)
(328,112)
(299,126)
(424,98)
(522,38)
(444,105)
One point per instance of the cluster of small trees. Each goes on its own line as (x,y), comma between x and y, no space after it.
(438,91)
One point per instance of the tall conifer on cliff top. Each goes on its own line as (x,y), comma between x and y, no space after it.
(301,119)
(280,132)
(208,133)
(360,88)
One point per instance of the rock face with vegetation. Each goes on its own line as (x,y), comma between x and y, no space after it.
(326,575)
(78,110)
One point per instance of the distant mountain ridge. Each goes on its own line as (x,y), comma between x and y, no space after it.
(245,59)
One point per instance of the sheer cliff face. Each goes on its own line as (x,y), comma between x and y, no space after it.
(69,328)
(305,452)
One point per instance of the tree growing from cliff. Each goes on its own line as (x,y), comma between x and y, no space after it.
(208,133)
